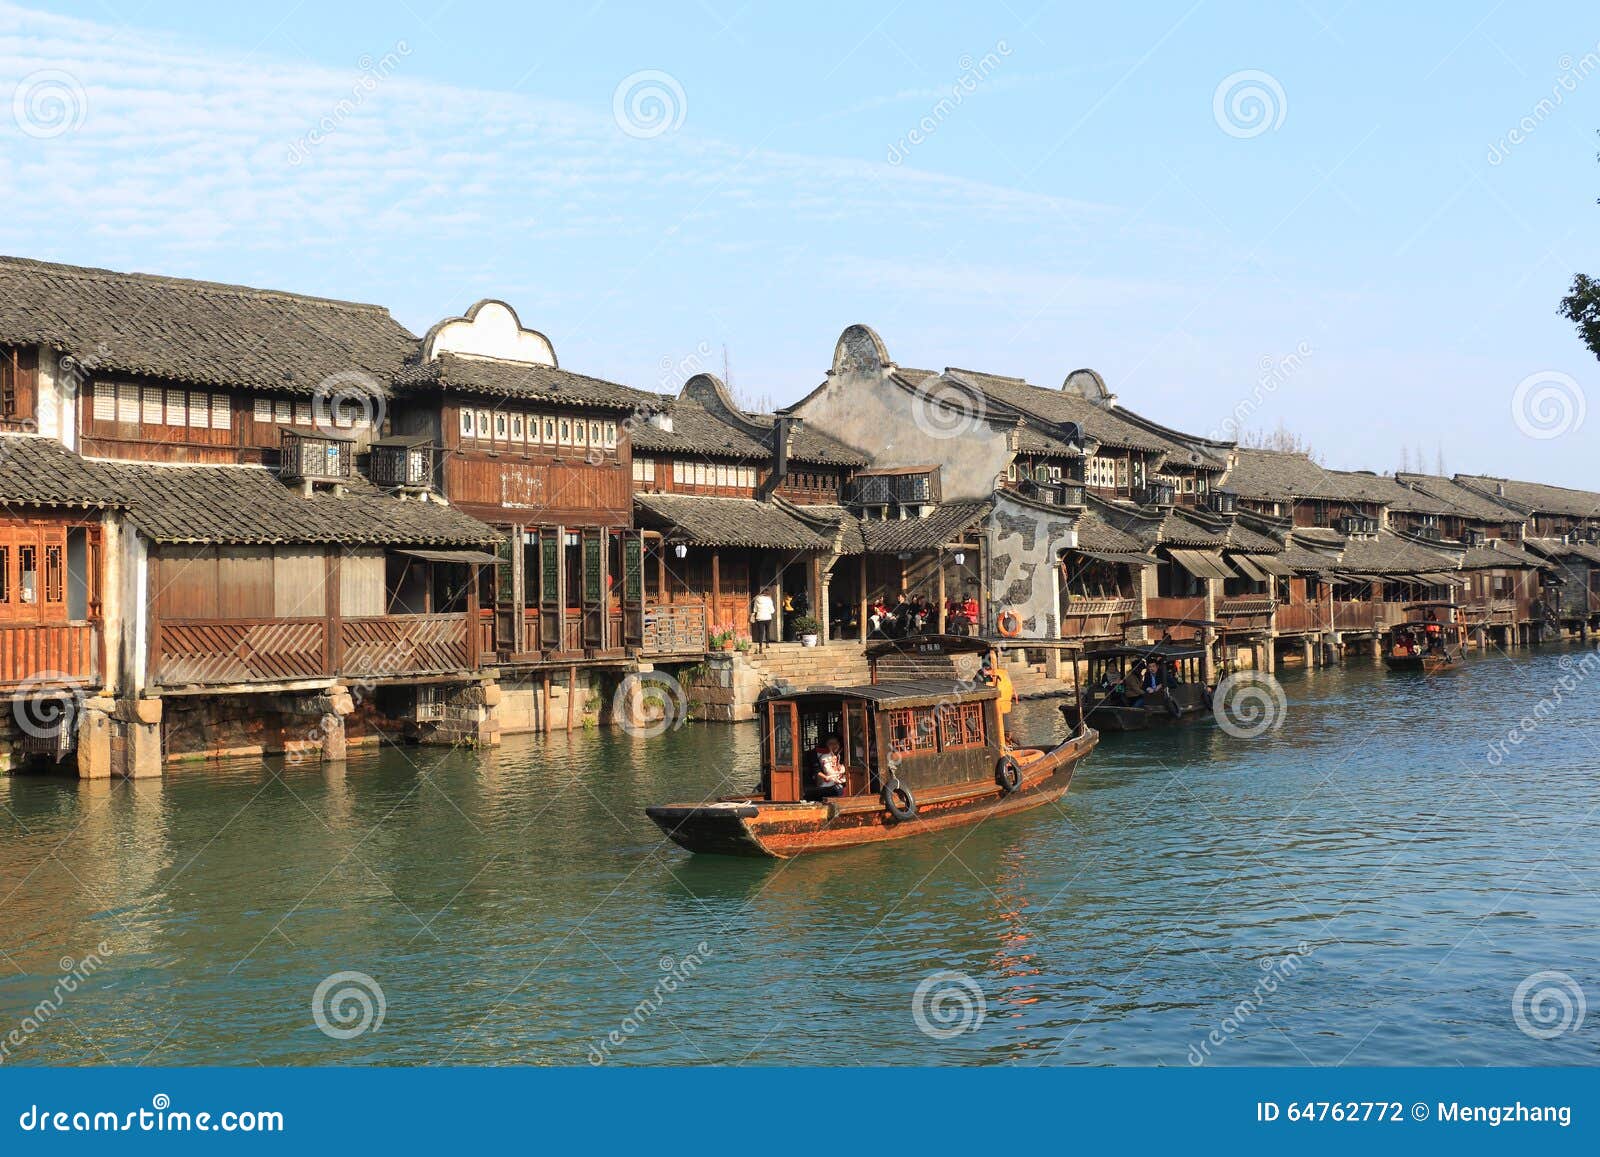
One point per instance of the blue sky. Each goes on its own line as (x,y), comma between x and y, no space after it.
(1093,198)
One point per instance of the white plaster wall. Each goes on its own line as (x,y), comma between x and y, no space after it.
(491,330)
(1023,545)
(891,427)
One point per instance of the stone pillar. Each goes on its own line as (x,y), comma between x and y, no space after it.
(1052,663)
(143,760)
(94,737)
(1308,650)
(339,704)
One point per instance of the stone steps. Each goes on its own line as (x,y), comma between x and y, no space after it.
(837,665)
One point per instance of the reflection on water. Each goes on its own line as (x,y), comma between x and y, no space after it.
(517,907)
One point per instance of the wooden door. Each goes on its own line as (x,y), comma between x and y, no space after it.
(508,593)
(783,752)
(594,588)
(632,588)
(552,599)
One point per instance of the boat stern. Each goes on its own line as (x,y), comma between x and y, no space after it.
(721,829)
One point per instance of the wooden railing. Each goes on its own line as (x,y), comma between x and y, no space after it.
(377,646)
(1192,607)
(44,654)
(1096,618)
(211,652)
(679,629)
(1294,618)
(1353,616)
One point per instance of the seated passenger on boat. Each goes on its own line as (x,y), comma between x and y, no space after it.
(824,771)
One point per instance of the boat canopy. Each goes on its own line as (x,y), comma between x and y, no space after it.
(929,645)
(893,693)
(1167,621)
(1161,651)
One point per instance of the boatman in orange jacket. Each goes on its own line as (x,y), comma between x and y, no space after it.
(993,674)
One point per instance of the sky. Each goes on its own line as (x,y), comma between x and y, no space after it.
(1354,220)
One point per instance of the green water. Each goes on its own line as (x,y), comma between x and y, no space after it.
(1393,882)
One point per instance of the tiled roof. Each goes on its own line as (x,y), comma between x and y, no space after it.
(197,332)
(697,430)
(727,522)
(1537,497)
(1464,501)
(39,470)
(225,504)
(1281,476)
(1391,554)
(1095,533)
(1555,548)
(1497,553)
(946,522)
(1056,408)
(248,504)
(520,380)
(835,523)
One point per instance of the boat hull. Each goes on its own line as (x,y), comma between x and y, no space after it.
(783,830)
(1424,663)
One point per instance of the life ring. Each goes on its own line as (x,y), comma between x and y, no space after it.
(899,801)
(1008,774)
(1009,624)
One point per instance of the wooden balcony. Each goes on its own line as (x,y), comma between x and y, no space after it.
(1177,608)
(1096,618)
(377,646)
(1299,618)
(43,655)
(679,629)
(1246,612)
(223,652)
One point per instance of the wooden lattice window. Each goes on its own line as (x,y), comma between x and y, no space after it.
(10,372)
(913,731)
(55,584)
(960,726)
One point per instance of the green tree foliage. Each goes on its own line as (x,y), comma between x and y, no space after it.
(1582,308)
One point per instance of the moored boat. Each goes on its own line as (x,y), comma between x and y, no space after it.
(1137,686)
(1432,638)
(915,756)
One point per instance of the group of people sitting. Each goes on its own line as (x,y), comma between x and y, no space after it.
(917,615)
(1429,641)
(1143,681)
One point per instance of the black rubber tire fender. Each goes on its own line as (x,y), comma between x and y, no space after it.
(1008,774)
(898,801)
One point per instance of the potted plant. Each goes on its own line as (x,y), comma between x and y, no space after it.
(722,641)
(807,628)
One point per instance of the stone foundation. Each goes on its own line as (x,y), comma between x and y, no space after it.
(723,689)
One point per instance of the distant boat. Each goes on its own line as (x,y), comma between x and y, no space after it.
(1113,697)
(1429,642)
(918,755)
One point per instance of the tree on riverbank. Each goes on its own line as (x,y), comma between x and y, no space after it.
(1582,308)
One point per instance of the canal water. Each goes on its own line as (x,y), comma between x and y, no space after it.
(1384,878)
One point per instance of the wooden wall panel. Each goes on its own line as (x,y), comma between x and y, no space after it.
(185,583)
(507,488)
(361,583)
(299,582)
(244,582)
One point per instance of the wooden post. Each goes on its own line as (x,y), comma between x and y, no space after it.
(544,719)
(861,622)
(474,656)
(716,588)
(661,570)
(572,695)
(334,612)
(939,562)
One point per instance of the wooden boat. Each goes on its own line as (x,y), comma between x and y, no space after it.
(1432,638)
(920,755)
(1111,699)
